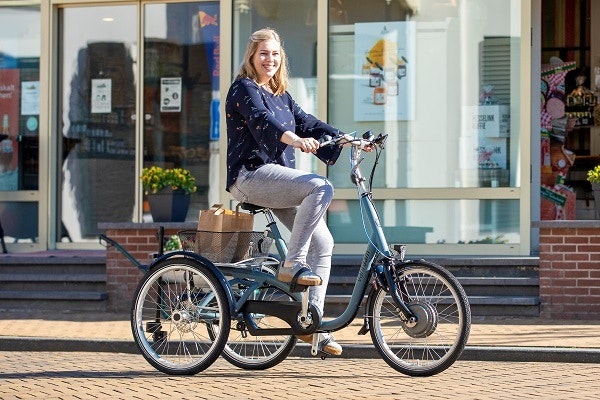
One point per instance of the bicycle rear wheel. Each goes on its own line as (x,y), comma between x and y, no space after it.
(440,334)
(173,305)
(262,351)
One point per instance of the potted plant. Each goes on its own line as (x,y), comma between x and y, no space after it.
(168,191)
(172,244)
(593,176)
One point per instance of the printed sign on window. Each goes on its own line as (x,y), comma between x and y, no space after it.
(30,98)
(385,70)
(101,96)
(170,94)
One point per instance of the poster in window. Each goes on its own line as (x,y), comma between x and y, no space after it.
(170,94)
(385,70)
(101,96)
(30,98)
(9,120)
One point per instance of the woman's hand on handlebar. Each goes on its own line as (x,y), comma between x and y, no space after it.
(365,144)
(307,145)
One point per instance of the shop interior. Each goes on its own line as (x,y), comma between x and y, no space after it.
(570,117)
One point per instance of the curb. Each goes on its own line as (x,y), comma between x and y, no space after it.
(470,353)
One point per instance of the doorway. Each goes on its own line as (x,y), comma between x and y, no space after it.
(106,78)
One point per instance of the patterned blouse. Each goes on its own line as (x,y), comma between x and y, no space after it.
(256,120)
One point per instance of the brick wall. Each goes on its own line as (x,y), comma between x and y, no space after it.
(570,269)
(122,276)
(569,265)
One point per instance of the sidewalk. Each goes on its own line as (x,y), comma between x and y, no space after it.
(506,339)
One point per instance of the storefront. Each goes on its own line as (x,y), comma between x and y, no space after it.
(91,94)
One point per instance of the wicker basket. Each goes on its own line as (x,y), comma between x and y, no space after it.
(226,247)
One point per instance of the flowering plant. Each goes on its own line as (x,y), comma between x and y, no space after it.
(156,178)
(174,243)
(593,175)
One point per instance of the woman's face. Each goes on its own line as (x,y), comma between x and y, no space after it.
(266,60)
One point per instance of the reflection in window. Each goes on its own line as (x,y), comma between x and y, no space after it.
(441,77)
(430,221)
(181,94)
(19,97)
(297,27)
(97,105)
(19,221)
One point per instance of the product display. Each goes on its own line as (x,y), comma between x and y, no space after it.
(557,199)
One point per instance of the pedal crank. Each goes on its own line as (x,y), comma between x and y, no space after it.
(300,322)
(305,317)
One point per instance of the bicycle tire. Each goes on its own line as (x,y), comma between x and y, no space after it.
(444,321)
(172,305)
(258,352)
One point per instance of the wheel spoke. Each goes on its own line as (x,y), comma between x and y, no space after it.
(436,339)
(170,315)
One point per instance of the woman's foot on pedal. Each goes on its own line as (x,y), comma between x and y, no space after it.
(298,273)
(326,342)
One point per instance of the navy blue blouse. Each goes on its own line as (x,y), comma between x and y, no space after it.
(256,120)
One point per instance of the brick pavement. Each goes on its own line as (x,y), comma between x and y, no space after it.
(51,375)
(521,332)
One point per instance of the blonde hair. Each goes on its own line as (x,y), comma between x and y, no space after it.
(279,82)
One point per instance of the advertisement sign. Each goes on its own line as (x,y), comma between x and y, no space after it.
(385,71)
(9,118)
(489,121)
(209,36)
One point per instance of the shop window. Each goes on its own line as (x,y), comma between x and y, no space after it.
(181,94)
(442,78)
(96,141)
(430,221)
(19,97)
(296,23)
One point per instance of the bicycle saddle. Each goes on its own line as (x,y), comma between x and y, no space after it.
(253,208)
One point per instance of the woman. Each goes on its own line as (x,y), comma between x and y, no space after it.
(264,126)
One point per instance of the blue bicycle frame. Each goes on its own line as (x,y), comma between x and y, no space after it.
(253,278)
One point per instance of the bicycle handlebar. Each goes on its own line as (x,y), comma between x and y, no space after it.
(367,138)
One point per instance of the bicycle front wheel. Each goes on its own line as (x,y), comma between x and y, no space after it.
(172,308)
(438,337)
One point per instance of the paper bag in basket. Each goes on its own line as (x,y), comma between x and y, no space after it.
(220,237)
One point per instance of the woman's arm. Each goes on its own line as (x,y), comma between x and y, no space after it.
(244,98)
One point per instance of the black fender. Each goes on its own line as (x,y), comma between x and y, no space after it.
(208,264)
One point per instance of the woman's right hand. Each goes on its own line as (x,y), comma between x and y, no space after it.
(307,145)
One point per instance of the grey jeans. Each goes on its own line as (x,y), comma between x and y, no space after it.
(299,200)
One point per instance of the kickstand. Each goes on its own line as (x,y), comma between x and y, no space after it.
(365,328)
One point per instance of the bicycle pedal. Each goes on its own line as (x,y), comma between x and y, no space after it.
(322,354)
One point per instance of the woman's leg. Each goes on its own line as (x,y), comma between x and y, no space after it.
(319,254)
(280,187)
(299,200)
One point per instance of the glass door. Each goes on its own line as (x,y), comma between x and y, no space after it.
(181,94)
(20,48)
(96,119)
(102,145)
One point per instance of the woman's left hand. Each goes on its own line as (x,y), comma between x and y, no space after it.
(366,145)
